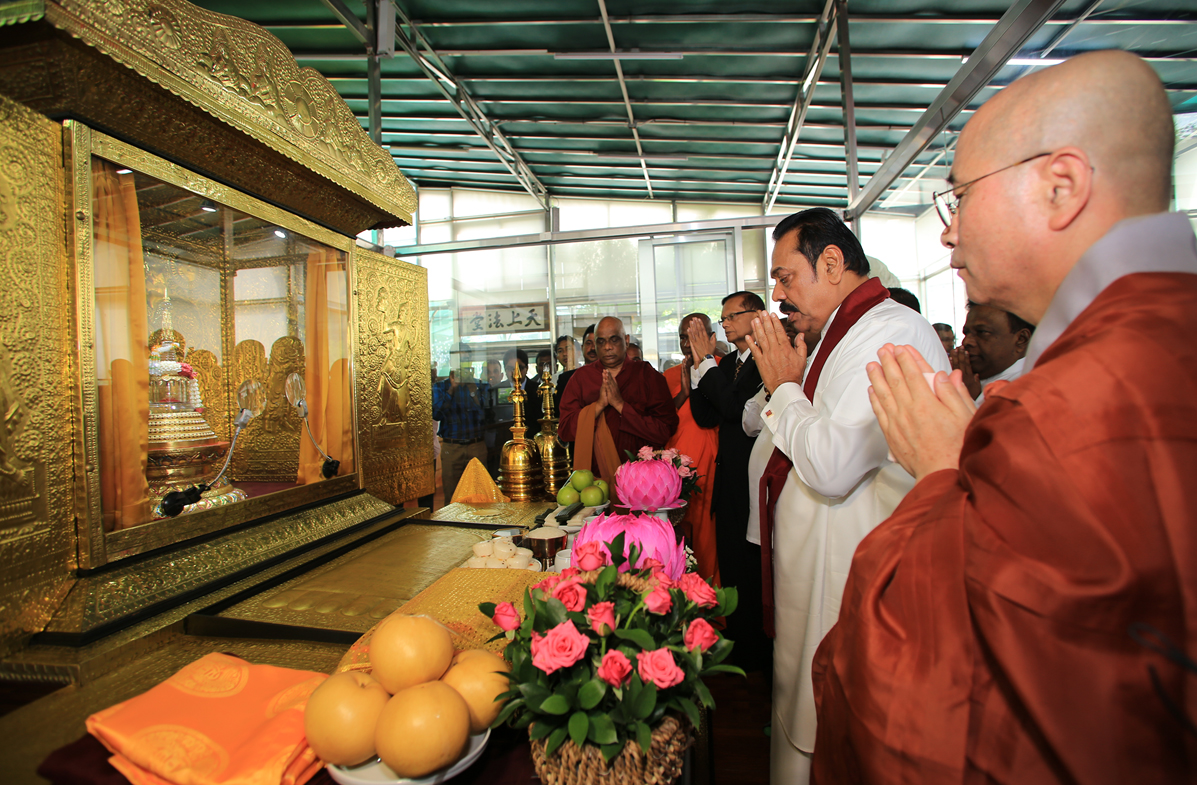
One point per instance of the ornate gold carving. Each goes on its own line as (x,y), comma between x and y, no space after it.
(37,546)
(100,599)
(271,442)
(497,514)
(393,376)
(242,74)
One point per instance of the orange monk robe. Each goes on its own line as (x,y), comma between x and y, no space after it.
(648,418)
(701,444)
(984,633)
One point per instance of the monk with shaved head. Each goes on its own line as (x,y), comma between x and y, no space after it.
(1028,614)
(615,405)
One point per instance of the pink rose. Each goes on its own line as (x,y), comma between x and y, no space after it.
(572,595)
(560,648)
(506,617)
(590,556)
(684,472)
(602,614)
(548,584)
(685,460)
(669,455)
(697,590)
(700,633)
(658,667)
(658,600)
(662,578)
(615,669)
(649,563)
(645,453)
(569,572)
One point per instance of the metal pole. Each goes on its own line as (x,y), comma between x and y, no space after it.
(845,59)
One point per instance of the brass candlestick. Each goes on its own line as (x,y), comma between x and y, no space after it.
(519,463)
(554,455)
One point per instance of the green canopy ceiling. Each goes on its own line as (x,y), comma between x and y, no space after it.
(710,87)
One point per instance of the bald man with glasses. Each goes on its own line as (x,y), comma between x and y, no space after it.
(1028,614)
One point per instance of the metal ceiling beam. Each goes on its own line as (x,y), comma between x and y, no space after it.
(349,19)
(802,102)
(1176,19)
(623,88)
(421,52)
(1007,37)
(1060,36)
(845,51)
(1149,56)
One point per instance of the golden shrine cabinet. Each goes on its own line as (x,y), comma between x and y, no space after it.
(211,398)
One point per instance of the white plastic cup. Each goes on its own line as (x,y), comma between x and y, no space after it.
(562,559)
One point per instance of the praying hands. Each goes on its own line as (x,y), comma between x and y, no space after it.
(609,394)
(924,428)
(778,359)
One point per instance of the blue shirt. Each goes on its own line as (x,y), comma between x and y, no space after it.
(461,411)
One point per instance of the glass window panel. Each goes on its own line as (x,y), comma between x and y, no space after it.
(435,205)
(467,203)
(192,298)
(705,211)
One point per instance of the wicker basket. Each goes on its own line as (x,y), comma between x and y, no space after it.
(585,766)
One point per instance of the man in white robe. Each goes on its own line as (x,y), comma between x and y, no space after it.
(841,483)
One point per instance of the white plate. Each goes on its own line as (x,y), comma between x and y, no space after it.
(378,772)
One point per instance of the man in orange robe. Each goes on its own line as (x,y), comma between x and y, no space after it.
(702,445)
(1028,614)
(615,405)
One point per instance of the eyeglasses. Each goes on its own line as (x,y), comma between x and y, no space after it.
(730,316)
(947,203)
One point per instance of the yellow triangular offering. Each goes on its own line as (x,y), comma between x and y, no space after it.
(476,486)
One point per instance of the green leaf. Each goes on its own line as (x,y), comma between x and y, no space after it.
(591,693)
(554,612)
(556,738)
(704,694)
(555,704)
(487,608)
(690,709)
(606,579)
(511,708)
(579,726)
(632,691)
(731,599)
(646,701)
(602,729)
(642,638)
(644,735)
(529,609)
(724,669)
(540,729)
(611,750)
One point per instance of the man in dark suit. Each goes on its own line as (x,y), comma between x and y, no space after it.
(717,398)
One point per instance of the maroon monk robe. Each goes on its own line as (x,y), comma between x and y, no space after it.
(985,629)
(649,416)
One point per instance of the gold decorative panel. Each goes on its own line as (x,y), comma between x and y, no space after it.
(37,546)
(354,591)
(240,73)
(394,376)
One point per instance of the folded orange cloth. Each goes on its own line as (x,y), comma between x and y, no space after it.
(476,486)
(218,720)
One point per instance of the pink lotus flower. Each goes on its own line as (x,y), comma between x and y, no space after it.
(648,485)
(655,537)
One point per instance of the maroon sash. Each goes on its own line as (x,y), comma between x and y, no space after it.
(855,305)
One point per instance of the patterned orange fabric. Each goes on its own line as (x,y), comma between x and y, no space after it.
(218,720)
(476,486)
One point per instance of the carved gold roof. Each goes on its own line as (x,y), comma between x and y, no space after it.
(245,76)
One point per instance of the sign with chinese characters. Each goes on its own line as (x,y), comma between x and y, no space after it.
(518,318)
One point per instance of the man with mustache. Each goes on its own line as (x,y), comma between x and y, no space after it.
(829,480)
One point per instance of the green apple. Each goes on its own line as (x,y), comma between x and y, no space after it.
(581,479)
(606,489)
(567,496)
(592,496)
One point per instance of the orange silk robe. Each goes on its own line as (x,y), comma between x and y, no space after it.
(701,444)
(983,636)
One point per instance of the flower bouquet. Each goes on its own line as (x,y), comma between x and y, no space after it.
(607,663)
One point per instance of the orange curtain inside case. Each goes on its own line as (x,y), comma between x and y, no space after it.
(122,355)
(326,334)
